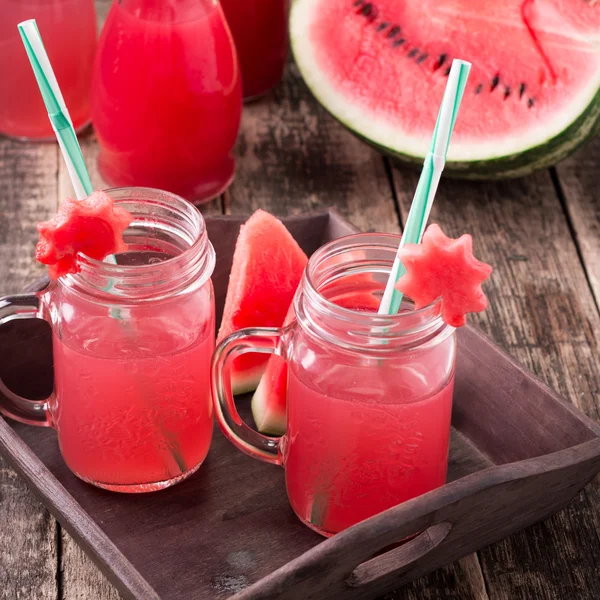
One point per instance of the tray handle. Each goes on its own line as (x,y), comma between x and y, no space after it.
(365,561)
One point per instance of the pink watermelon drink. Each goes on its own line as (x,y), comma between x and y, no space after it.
(133,409)
(367,406)
(68,28)
(362,438)
(167,98)
(260,32)
(132,339)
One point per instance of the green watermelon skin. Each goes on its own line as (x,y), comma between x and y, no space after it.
(527,160)
(583,129)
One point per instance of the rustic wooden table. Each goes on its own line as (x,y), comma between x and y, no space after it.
(541,233)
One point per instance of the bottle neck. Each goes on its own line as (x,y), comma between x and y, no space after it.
(168,11)
(341,291)
(168,251)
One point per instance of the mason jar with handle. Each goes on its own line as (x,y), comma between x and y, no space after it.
(132,344)
(369,397)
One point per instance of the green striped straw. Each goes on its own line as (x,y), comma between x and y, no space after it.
(429,179)
(57,113)
(57,110)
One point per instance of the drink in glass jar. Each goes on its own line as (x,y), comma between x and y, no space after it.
(132,344)
(68,28)
(369,396)
(167,97)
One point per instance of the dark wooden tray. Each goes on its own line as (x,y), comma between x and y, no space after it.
(518,453)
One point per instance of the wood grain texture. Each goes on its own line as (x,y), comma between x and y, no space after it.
(28,548)
(543,313)
(293,158)
(578,182)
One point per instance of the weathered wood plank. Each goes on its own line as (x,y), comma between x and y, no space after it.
(578,181)
(28,549)
(294,158)
(542,312)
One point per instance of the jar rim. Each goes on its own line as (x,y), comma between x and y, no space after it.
(121,270)
(173,273)
(362,329)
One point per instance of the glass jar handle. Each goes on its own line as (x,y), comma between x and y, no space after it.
(32,412)
(246,439)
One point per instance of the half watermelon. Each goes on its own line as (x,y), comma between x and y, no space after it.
(380,68)
(267,267)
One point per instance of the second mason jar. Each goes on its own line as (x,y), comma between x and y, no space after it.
(132,344)
(369,397)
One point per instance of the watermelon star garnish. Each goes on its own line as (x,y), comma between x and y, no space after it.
(442,267)
(93,226)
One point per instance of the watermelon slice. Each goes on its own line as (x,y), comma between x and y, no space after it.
(270,399)
(380,68)
(267,267)
(443,267)
(93,226)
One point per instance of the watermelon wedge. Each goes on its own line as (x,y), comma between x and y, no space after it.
(93,226)
(380,68)
(267,267)
(442,267)
(269,399)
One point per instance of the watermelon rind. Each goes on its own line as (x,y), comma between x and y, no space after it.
(531,156)
(267,421)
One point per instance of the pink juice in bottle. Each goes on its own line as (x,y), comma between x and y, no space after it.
(167,101)
(260,32)
(68,29)
(134,403)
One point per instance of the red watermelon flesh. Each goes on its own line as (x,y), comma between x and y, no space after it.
(267,267)
(442,267)
(270,399)
(93,226)
(380,67)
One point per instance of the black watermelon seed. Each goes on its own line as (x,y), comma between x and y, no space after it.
(381,27)
(447,72)
(422,58)
(413,53)
(395,30)
(495,83)
(441,60)
(398,42)
(506,92)
(367,9)
(358,2)
(530,102)
(522,90)
(479,88)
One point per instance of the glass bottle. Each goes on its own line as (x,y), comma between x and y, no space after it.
(166,97)
(68,29)
(260,32)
